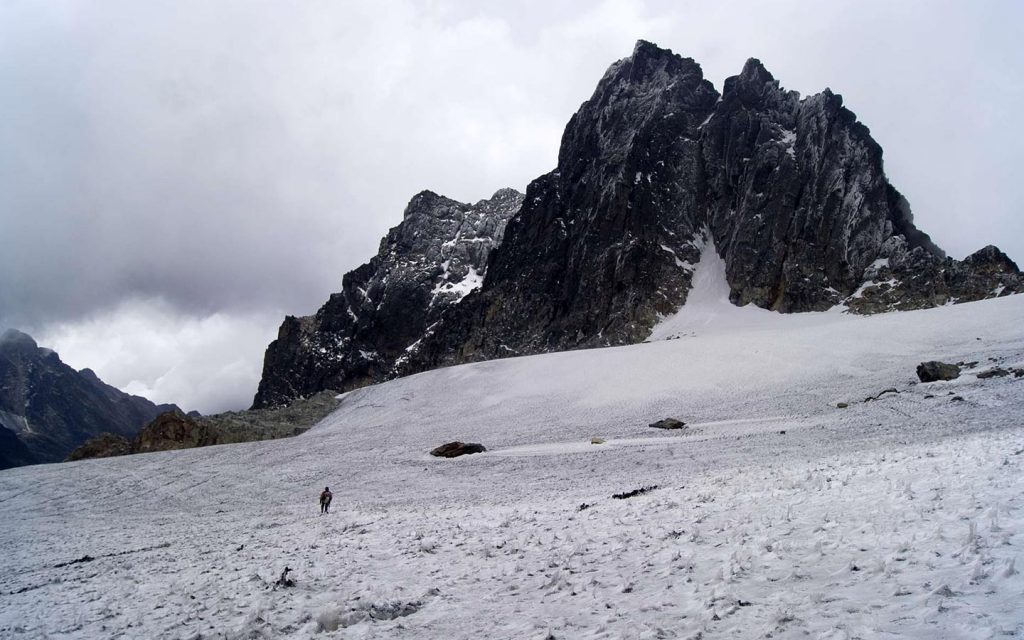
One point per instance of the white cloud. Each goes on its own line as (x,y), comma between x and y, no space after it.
(209,363)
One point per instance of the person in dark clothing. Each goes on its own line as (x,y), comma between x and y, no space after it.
(325,500)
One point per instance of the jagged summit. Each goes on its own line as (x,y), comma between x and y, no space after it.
(754,74)
(432,260)
(652,62)
(791,191)
(990,258)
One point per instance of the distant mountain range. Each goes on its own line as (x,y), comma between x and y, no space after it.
(47,409)
(791,190)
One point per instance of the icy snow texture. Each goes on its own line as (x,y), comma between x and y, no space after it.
(899,517)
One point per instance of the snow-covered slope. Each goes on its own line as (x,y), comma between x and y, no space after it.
(775,513)
(708,309)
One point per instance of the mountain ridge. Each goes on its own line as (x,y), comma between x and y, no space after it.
(49,408)
(792,191)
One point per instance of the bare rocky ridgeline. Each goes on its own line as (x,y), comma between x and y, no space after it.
(177,430)
(791,190)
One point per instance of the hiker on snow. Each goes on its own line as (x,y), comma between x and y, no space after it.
(325,500)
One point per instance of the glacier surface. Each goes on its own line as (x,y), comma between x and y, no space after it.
(775,513)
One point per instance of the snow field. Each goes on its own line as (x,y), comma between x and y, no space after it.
(776,514)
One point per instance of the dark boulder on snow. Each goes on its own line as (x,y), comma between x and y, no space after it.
(456,449)
(668,423)
(934,370)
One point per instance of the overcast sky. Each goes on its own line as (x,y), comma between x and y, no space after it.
(176,176)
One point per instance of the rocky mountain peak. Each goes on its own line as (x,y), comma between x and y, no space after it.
(650,64)
(755,73)
(654,92)
(754,78)
(755,88)
(792,192)
(991,260)
(503,197)
(12,339)
(437,256)
(428,202)
(89,374)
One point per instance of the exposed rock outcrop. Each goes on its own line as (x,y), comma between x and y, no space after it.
(933,370)
(797,198)
(174,430)
(177,430)
(903,279)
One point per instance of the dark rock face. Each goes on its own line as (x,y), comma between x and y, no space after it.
(456,449)
(425,265)
(798,201)
(904,279)
(934,370)
(13,452)
(52,409)
(606,242)
(791,191)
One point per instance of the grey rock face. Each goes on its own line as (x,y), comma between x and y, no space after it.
(52,409)
(604,243)
(792,192)
(797,198)
(13,452)
(668,423)
(903,279)
(426,264)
